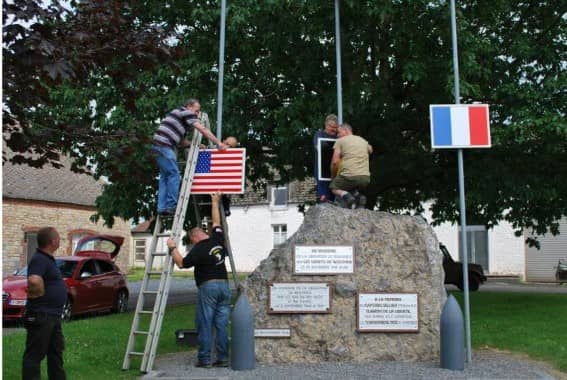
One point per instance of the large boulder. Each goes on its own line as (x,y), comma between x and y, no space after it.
(393,253)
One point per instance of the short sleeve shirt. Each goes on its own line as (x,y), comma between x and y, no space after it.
(52,302)
(354,155)
(208,257)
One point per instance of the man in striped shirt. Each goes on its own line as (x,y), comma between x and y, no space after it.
(172,133)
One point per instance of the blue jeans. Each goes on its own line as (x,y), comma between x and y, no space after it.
(169,178)
(323,188)
(213,310)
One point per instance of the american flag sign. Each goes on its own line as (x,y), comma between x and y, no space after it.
(220,170)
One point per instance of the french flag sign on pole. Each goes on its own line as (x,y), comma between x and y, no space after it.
(459,126)
(220,170)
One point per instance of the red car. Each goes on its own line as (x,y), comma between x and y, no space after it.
(94,282)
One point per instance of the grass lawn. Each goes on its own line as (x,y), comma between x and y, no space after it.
(95,346)
(533,324)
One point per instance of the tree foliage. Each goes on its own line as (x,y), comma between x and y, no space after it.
(122,65)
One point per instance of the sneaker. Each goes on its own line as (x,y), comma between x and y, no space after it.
(202,365)
(349,200)
(167,213)
(221,363)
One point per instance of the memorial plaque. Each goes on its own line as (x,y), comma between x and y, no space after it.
(272,333)
(299,298)
(387,312)
(323,259)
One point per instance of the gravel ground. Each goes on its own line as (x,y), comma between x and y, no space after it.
(486,364)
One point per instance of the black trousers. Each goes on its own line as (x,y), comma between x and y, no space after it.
(44,338)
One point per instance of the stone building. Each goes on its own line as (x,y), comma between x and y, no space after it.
(33,198)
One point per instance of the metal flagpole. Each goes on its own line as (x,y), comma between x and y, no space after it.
(221,69)
(464,257)
(338,50)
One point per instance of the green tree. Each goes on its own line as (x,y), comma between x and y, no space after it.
(280,82)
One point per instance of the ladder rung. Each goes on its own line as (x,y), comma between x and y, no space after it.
(159,254)
(146,312)
(151,292)
(136,353)
(163,235)
(141,332)
(153,273)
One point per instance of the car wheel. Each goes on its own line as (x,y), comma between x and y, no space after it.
(67,310)
(121,302)
(474,282)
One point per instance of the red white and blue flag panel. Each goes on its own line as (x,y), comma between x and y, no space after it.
(220,170)
(459,126)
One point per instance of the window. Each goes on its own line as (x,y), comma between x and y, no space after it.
(105,266)
(278,197)
(140,249)
(67,268)
(280,234)
(31,244)
(89,267)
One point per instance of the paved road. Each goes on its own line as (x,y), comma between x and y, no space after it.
(182,291)
(513,285)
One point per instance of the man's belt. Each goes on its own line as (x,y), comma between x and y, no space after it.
(155,142)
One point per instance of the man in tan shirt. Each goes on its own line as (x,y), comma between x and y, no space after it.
(351,153)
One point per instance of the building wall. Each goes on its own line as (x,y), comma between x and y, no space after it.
(505,250)
(251,234)
(19,217)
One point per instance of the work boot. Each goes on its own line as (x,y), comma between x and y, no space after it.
(361,201)
(221,363)
(349,200)
(201,364)
(339,202)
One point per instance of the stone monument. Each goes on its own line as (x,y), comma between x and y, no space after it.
(349,285)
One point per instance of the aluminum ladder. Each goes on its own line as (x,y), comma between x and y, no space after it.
(143,312)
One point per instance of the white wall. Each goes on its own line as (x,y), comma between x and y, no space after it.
(506,251)
(251,235)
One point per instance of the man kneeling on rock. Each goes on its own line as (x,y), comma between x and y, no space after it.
(213,304)
(351,154)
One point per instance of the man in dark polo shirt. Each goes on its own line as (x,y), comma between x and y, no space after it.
(47,295)
(213,305)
